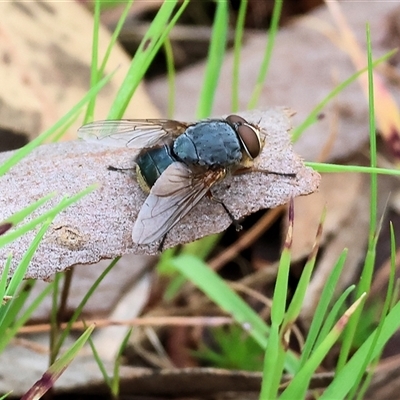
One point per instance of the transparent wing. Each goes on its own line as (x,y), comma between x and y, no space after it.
(132,133)
(174,194)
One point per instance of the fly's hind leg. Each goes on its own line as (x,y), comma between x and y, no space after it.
(235,222)
(160,247)
(111,168)
(131,171)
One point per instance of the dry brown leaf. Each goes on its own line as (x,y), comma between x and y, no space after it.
(99,226)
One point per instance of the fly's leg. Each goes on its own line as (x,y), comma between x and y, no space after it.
(111,168)
(243,171)
(131,172)
(160,247)
(235,222)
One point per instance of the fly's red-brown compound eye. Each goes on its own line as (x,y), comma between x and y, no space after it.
(250,139)
(248,134)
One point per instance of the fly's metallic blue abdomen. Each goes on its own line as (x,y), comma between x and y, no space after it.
(150,164)
(209,143)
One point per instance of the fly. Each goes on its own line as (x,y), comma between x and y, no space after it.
(178,163)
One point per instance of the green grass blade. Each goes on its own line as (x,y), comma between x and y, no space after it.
(32,307)
(19,216)
(274,359)
(295,305)
(20,272)
(94,76)
(64,203)
(236,53)
(54,372)
(4,279)
(218,291)
(100,363)
(81,305)
(151,43)
(368,269)
(202,247)
(214,60)
(313,115)
(114,36)
(322,307)
(24,151)
(373,164)
(297,388)
(61,132)
(282,279)
(385,310)
(61,364)
(333,314)
(273,364)
(344,379)
(171,73)
(267,55)
(10,311)
(54,324)
(331,168)
(117,365)
(97,73)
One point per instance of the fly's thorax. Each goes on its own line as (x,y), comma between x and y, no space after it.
(209,143)
(151,163)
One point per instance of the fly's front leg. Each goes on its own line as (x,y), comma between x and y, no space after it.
(235,222)
(243,171)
